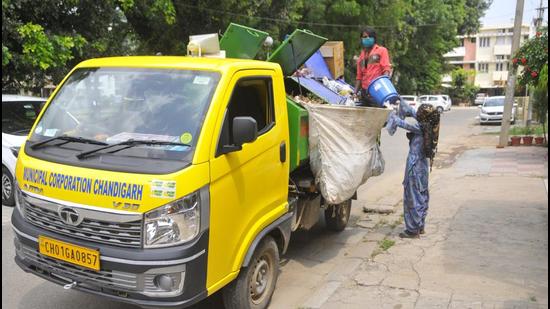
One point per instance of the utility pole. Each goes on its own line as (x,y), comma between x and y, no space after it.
(509,101)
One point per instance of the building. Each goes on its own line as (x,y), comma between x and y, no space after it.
(488,53)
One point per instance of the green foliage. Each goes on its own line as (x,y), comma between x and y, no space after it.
(532,56)
(527,130)
(46,39)
(540,99)
(43,52)
(6,55)
(43,40)
(462,90)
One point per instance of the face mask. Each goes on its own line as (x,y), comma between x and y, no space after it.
(367,42)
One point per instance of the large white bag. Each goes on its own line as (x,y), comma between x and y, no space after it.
(343,148)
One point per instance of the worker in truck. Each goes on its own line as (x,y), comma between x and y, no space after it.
(423,138)
(373,62)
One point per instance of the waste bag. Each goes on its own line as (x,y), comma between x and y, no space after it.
(344,148)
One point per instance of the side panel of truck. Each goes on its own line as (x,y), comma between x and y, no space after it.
(249,188)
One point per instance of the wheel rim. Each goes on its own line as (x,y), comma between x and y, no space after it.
(261,279)
(6,187)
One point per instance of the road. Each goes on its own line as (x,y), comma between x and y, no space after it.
(25,291)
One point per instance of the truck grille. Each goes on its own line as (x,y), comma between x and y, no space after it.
(122,281)
(127,234)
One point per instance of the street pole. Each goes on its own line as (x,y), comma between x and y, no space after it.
(509,101)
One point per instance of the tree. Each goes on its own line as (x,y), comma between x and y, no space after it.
(533,57)
(43,40)
(462,90)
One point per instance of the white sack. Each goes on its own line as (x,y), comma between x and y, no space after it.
(343,148)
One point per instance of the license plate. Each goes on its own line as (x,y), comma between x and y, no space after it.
(73,254)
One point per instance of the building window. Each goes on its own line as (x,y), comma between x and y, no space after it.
(484,42)
(483,67)
(500,67)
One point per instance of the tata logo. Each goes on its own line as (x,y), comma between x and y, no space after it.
(70,216)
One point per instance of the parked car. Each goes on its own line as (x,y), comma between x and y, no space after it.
(412,100)
(448,99)
(18,115)
(437,101)
(480,98)
(492,110)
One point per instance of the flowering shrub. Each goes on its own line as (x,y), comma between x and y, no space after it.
(532,56)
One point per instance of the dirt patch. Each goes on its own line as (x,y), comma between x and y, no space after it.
(445,159)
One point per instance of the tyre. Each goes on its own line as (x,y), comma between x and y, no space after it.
(7,188)
(255,284)
(337,216)
(440,109)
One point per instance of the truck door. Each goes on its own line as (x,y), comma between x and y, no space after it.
(249,187)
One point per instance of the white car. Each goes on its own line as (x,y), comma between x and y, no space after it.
(18,116)
(480,98)
(412,100)
(437,101)
(492,110)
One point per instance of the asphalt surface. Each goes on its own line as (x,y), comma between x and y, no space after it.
(26,291)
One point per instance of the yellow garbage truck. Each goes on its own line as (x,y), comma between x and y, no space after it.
(160,180)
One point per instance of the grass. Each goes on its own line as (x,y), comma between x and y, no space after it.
(383,246)
(386,244)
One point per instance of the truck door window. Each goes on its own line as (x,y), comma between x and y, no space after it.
(252,97)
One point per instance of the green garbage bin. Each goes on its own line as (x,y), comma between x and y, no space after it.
(296,50)
(242,42)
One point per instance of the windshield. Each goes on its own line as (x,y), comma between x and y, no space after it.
(114,105)
(19,116)
(490,102)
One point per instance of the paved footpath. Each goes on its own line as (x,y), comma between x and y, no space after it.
(486,245)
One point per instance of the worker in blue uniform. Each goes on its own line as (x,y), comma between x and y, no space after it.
(423,137)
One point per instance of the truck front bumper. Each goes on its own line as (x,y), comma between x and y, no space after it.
(126,274)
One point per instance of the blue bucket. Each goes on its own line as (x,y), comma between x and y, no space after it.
(381,90)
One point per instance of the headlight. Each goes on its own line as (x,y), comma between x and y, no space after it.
(172,224)
(19,200)
(483,111)
(15,151)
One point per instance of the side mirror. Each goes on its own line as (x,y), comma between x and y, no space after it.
(245,130)
(480,106)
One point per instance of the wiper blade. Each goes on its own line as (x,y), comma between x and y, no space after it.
(67,139)
(129,144)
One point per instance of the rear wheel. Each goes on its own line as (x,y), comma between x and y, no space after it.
(440,109)
(7,188)
(337,216)
(255,284)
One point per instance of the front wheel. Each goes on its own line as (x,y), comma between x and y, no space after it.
(255,284)
(7,188)
(337,216)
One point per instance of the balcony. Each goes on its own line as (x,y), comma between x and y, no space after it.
(455,53)
(502,50)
